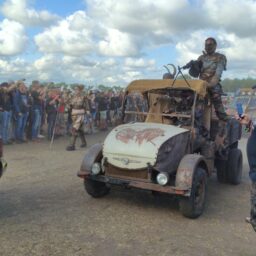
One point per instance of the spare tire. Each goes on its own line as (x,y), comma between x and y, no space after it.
(221,166)
(234,166)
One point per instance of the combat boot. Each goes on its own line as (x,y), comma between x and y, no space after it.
(83,140)
(72,147)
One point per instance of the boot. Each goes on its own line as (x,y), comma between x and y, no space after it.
(83,140)
(72,147)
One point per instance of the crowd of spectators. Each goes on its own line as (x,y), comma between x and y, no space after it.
(31,113)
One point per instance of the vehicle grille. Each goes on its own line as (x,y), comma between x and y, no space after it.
(113,171)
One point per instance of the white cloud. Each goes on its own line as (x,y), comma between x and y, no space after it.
(15,69)
(154,22)
(118,43)
(107,71)
(72,36)
(234,16)
(19,11)
(191,47)
(79,34)
(138,63)
(13,39)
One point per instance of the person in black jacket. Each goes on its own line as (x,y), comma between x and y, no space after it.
(21,108)
(6,107)
(51,108)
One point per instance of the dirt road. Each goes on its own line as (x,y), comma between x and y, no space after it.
(44,210)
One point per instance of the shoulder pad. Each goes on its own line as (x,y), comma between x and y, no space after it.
(222,58)
(200,57)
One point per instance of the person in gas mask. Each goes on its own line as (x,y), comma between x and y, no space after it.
(209,67)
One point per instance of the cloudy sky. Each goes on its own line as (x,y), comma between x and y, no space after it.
(113,42)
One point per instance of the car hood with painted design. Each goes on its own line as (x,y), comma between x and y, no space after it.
(135,145)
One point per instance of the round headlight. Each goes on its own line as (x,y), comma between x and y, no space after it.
(96,168)
(162,178)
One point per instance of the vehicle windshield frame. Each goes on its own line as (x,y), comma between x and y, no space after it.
(167,92)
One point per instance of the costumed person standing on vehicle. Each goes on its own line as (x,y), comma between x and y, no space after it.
(213,64)
(209,67)
(79,106)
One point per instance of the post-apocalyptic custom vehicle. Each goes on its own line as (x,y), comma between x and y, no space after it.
(3,163)
(170,148)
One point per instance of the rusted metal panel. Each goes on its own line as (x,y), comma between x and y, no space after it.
(187,166)
(93,155)
(171,153)
(159,188)
(83,174)
(198,86)
(136,184)
(134,146)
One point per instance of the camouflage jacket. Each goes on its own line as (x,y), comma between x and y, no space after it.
(78,102)
(212,67)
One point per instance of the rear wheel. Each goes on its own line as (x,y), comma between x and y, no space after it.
(95,188)
(193,206)
(234,166)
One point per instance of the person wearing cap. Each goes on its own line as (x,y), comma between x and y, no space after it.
(79,106)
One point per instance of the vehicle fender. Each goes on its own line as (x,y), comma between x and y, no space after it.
(186,169)
(93,154)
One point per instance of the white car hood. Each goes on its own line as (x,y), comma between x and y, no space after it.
(134,145)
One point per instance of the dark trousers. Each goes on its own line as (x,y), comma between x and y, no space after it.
(215,97)
(51,119)
(21,121)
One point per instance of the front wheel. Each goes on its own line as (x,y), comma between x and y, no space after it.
(193,206)
(95,188)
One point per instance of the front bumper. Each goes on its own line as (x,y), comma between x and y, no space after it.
(145,185)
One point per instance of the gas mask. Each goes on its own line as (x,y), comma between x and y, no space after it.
(210,46)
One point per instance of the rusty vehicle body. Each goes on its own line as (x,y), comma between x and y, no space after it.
(3,164)
(171,150)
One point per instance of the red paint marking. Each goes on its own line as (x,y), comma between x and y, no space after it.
(148,135)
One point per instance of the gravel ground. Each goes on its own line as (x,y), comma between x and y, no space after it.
(44,210)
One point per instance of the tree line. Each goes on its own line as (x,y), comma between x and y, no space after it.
(228,85)
(232,85)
